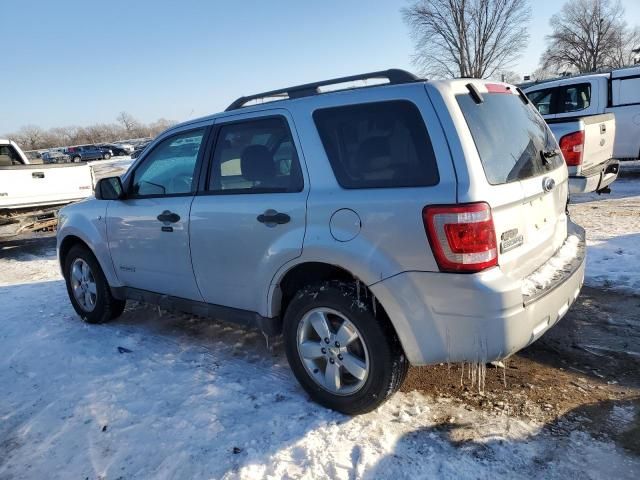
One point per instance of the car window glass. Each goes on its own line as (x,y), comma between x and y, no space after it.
(629,91)
(377,145)
(255,156)
(574,98)
(511,137)
(170,166)
(542,100)
(9,156)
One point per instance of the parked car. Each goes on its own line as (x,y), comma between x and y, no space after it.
(410,223)
(85,153)
(116,150)
(616,92)
(55,157)
(139,149)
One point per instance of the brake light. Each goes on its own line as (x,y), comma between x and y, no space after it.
(572,146)
(462,237)
(497,88)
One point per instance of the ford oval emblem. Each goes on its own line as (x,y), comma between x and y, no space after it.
(548,183)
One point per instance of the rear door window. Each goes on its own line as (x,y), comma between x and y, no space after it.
(510,136)
(573,98)
(562,99)
(377,145)
(255,156)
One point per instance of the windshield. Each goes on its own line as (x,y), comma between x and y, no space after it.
(513,140)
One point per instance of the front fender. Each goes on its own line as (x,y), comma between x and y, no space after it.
(86,221)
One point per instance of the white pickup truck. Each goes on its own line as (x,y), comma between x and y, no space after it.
(31,194)
(596,120)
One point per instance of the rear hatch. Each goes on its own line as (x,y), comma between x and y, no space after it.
(525,178)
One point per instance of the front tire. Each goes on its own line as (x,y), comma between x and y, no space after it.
(345,356)
(88,289)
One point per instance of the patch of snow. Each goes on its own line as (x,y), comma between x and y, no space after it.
(170,396)
(545,275)
(612,224)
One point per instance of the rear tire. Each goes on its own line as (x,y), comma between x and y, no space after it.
(88,289)
(370,367)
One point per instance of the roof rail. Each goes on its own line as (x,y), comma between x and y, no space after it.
(394,76)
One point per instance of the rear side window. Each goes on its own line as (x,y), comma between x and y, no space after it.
(377,145)
(511,137)
(574,98)
(629,91)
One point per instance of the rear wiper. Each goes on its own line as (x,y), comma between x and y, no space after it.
(546,155)
(550,153)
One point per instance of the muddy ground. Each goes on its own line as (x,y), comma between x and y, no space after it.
(574,377)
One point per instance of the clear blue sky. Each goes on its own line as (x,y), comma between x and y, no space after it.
(77,62)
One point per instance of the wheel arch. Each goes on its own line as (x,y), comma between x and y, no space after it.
(291,280)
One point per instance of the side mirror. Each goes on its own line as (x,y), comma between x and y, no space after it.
(109,188)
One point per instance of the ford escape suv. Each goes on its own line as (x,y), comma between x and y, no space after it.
(411,222)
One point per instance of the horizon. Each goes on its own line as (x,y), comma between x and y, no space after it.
(79,64)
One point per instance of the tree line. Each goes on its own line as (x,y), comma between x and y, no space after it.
(32,137)
(483,38)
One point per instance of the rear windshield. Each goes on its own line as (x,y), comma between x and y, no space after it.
(511,137)
(377,145)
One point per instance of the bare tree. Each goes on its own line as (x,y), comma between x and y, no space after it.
(627,44)
(128,122)
(467,38)
(589,35)
(32,137)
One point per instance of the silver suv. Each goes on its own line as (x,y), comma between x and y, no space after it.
(407,223)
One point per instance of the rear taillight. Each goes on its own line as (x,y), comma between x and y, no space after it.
(572,146)
(462,237)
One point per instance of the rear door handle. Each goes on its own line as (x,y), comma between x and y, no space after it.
(168,217)
(272,218)
(37,175)
(603,128)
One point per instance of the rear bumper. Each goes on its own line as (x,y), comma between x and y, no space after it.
(442,317)
(596,178)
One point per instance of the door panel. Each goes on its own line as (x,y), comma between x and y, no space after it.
(234,255)
(148,232)
(255,172)
(145,253)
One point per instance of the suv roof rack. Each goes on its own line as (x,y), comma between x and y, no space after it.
(394,76)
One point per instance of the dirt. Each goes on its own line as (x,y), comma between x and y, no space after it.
(585,366)
(578,376)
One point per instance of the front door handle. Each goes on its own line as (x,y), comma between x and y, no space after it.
(272,218)
(168,217)
(37,174)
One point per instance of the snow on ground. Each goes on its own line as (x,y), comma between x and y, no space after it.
(158,395)
(612,223)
